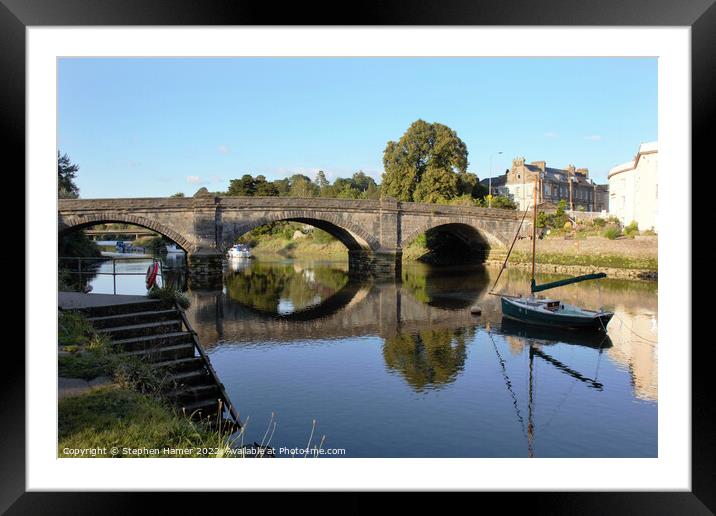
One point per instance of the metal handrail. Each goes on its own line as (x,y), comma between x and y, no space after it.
(114,272)
(208,365)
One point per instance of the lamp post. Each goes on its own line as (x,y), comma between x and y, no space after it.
(489,198)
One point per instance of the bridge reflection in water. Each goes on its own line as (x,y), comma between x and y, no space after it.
(305,340)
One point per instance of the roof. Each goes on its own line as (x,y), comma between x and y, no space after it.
(644,148)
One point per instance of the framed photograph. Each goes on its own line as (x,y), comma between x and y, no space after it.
(426,251)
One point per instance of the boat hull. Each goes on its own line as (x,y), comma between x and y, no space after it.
(513,309)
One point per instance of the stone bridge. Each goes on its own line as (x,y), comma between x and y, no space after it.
(374,232)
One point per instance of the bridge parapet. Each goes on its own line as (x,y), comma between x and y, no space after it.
(374,231)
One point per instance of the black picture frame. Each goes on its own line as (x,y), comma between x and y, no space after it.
(700,15)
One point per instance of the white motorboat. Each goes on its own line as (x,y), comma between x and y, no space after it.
(174,249)
(239,251)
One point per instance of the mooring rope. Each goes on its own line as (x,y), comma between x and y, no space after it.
(504,264)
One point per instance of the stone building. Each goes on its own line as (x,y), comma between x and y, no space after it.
(633,188)
(570,184)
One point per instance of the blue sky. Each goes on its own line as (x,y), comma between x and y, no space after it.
(151,127)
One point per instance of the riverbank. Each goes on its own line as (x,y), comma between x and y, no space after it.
(304,247)
(628,258)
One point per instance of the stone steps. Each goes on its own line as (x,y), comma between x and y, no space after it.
(176,352)
(118,333)
(179,365)
(153,342)
(126,308)
(193,394)
(201,409)
(152,331)
(126,319)
(194,377)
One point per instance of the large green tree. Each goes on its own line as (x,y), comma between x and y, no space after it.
(245,187)
(425,164)
(302,186)
(265,188)
(66,173)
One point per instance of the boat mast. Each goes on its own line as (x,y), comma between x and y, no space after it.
(534,229)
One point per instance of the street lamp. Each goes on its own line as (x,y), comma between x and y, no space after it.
(489,198)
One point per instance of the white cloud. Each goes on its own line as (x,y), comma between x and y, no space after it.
(551,135)
(593,138)
(195,180)
(223,149)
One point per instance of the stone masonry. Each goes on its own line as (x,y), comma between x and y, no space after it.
(375,232)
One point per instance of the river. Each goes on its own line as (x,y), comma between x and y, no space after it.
(403,369)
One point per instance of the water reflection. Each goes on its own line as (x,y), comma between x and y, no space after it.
(282,288)
(372,361)
(428,358)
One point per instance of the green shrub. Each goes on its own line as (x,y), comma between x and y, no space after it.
(322,237)
(86,365)
(73,328)
(632,229)
(599,222)
(170,294)
(612,232)
(139,376)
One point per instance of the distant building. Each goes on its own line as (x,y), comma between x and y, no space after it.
(633,188)
(570,184)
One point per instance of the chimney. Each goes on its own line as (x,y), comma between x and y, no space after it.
(570,169)
(583,172)
(539,164)
(518,162)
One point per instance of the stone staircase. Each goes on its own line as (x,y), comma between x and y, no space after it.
(155,331)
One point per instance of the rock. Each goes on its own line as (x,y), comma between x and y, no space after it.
(101,381)
(71,387)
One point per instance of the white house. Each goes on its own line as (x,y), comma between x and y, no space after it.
(633,188)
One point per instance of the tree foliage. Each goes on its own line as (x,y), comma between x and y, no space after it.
(424,164)
(66,173)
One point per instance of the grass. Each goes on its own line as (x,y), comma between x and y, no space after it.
(611,261)
(73,329)
(306,247)
(129,421)
(85,364)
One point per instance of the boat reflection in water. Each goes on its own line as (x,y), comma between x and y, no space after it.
(403,369)
(545,335)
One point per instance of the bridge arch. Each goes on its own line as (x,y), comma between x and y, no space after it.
(77,222)
(473,236)
(459,228)
(350,234)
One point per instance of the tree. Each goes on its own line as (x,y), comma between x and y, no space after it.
(302,186)
(362,181)
(265,188)
(245,187)
(321,180)
(283,186)
(178,194)
(436,185)
(66,173)
(202,192)
(424,147)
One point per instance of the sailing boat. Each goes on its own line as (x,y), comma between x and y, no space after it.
(550,312)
